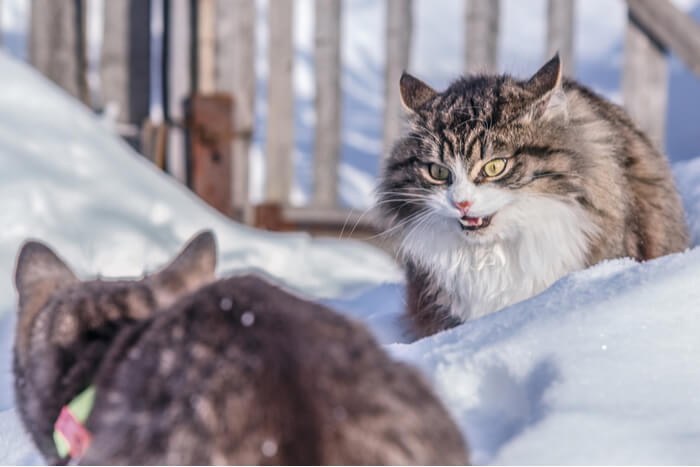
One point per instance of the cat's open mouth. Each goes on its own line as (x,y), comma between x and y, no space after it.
(474,223)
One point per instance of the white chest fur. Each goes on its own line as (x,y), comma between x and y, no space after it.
(534,242)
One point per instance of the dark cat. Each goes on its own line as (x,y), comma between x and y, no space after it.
(238,372)
(503,186)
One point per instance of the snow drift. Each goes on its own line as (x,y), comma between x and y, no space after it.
(600,368)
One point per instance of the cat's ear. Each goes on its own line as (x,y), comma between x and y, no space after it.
(38,274)
(545,86)
(192,268)
(414,92)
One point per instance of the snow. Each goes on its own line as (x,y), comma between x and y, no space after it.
(600,368)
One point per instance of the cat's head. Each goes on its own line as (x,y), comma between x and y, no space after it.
(484,159)
(56,308)
(65,326)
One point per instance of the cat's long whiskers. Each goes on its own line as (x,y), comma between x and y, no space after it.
(403,222)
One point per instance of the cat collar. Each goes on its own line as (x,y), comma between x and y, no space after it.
(70,436)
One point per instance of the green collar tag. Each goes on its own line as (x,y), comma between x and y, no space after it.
(70,436)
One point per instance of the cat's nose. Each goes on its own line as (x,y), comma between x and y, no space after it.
(463,206)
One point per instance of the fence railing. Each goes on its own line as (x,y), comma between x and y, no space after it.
(209,47)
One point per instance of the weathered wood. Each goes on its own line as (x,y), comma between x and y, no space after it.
(560,32)
(280,102)
(125,63)
(399,31)
(645,82)
(328,111)
(670,27)
(57,43)
(178,82)
(206,46)
(481,49)
(235,73)
(211,130)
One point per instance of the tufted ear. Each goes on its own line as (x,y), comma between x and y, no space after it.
(414,92)
(546,88)
(193,267)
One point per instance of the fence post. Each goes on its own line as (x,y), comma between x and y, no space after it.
(481,49)
(125,64)
(399,30)
(57,43)
(280,102)
(206,46)
(211,130)
(327,135)
(235,74)
(645,81)
(177,82)
(560,32)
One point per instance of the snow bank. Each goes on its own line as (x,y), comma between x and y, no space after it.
(600,368)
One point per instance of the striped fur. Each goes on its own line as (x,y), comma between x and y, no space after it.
(581,184)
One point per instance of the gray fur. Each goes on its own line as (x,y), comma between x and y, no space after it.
(561,140)
(235,372)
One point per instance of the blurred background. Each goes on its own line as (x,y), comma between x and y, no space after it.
(278,112)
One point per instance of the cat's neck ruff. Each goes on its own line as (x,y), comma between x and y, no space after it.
(535,242)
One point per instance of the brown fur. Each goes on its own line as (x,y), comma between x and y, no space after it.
(238,372)
(584,151)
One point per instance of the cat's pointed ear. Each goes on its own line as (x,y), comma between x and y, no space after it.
(546,88)
(39,273)
(414,92)
(192,268)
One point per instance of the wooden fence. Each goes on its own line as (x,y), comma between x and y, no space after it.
(209,48)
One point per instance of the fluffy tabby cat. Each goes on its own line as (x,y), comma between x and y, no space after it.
(234,372)
(503,186)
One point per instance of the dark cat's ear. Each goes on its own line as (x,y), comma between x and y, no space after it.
(193,267)
(414,92)
(39,273)
(545,86)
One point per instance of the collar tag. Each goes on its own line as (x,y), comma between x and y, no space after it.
(76,439)
(70,436)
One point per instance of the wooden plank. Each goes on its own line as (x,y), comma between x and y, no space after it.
(206,46)
(645,82)
(327,70)
(399,31)
(280,102)
(211,130)
(57,43)
(235,74)
(560,32)
(669,26)
(125,63)
(178,82)
(481,49)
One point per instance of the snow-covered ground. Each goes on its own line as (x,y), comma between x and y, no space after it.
(600,368)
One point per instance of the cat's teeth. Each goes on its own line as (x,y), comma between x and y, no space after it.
(480,221)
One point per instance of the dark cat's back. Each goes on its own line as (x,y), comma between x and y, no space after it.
(244,372)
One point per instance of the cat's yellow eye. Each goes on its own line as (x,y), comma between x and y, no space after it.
(494,168)
(439,172)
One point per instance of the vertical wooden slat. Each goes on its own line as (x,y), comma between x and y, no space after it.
(327,70)
(211,129)
(280,104)
(645,82)
(560,32)
(178,82)
(481,49)
(125,63)
(57,43)
(399,30)
(206,46)
(235,73)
